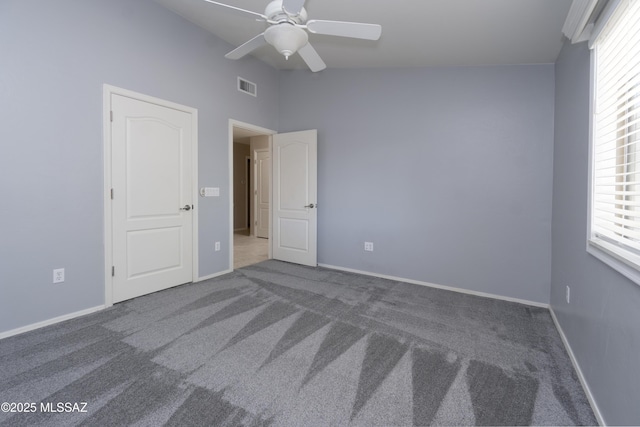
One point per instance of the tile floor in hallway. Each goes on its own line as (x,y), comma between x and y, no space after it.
(248,250)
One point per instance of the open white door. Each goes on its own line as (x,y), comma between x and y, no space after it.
(295,197)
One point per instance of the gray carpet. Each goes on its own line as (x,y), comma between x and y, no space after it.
(285,345)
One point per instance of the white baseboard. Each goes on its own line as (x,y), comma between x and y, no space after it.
(48,322)
(62,318)
(576,366)
(433,285)
(212,276)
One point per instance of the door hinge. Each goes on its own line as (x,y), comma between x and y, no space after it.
(111,115)
(256,223)
(112,194)
(113,271)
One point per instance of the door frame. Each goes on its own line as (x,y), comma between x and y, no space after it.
(107,91)
(263,131)
(257,191)
(248,175)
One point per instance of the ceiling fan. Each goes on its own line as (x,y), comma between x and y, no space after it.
(287,21)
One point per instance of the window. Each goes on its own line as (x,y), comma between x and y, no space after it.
(615,152)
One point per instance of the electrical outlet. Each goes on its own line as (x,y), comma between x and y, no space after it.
(58,275)
(217,246)
(568,295)
(368,246)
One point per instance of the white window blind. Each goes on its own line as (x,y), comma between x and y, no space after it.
(615,198)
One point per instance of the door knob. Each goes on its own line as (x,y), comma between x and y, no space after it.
(186,208)
(310,206)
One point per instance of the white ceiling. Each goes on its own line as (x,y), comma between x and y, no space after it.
(415,33)
(242,133)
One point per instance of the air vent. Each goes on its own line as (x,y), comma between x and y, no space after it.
(247,87)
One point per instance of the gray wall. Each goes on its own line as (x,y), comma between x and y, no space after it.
(54,58)
(602,321)
(448,171)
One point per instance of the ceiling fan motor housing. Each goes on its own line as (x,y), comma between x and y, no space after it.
(275,12)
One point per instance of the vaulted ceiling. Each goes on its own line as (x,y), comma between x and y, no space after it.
(415,33)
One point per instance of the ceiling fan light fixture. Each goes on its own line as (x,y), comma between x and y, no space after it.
(286,38)
(287,31)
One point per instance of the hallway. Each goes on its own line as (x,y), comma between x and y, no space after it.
(248,250)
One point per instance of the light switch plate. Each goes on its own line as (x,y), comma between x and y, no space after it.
(210,191)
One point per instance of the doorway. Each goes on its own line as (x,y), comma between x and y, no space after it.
(250,193)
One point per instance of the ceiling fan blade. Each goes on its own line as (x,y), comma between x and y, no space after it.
(292,7)
(345,29)
(237,10)
(311,57)
(248,47)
